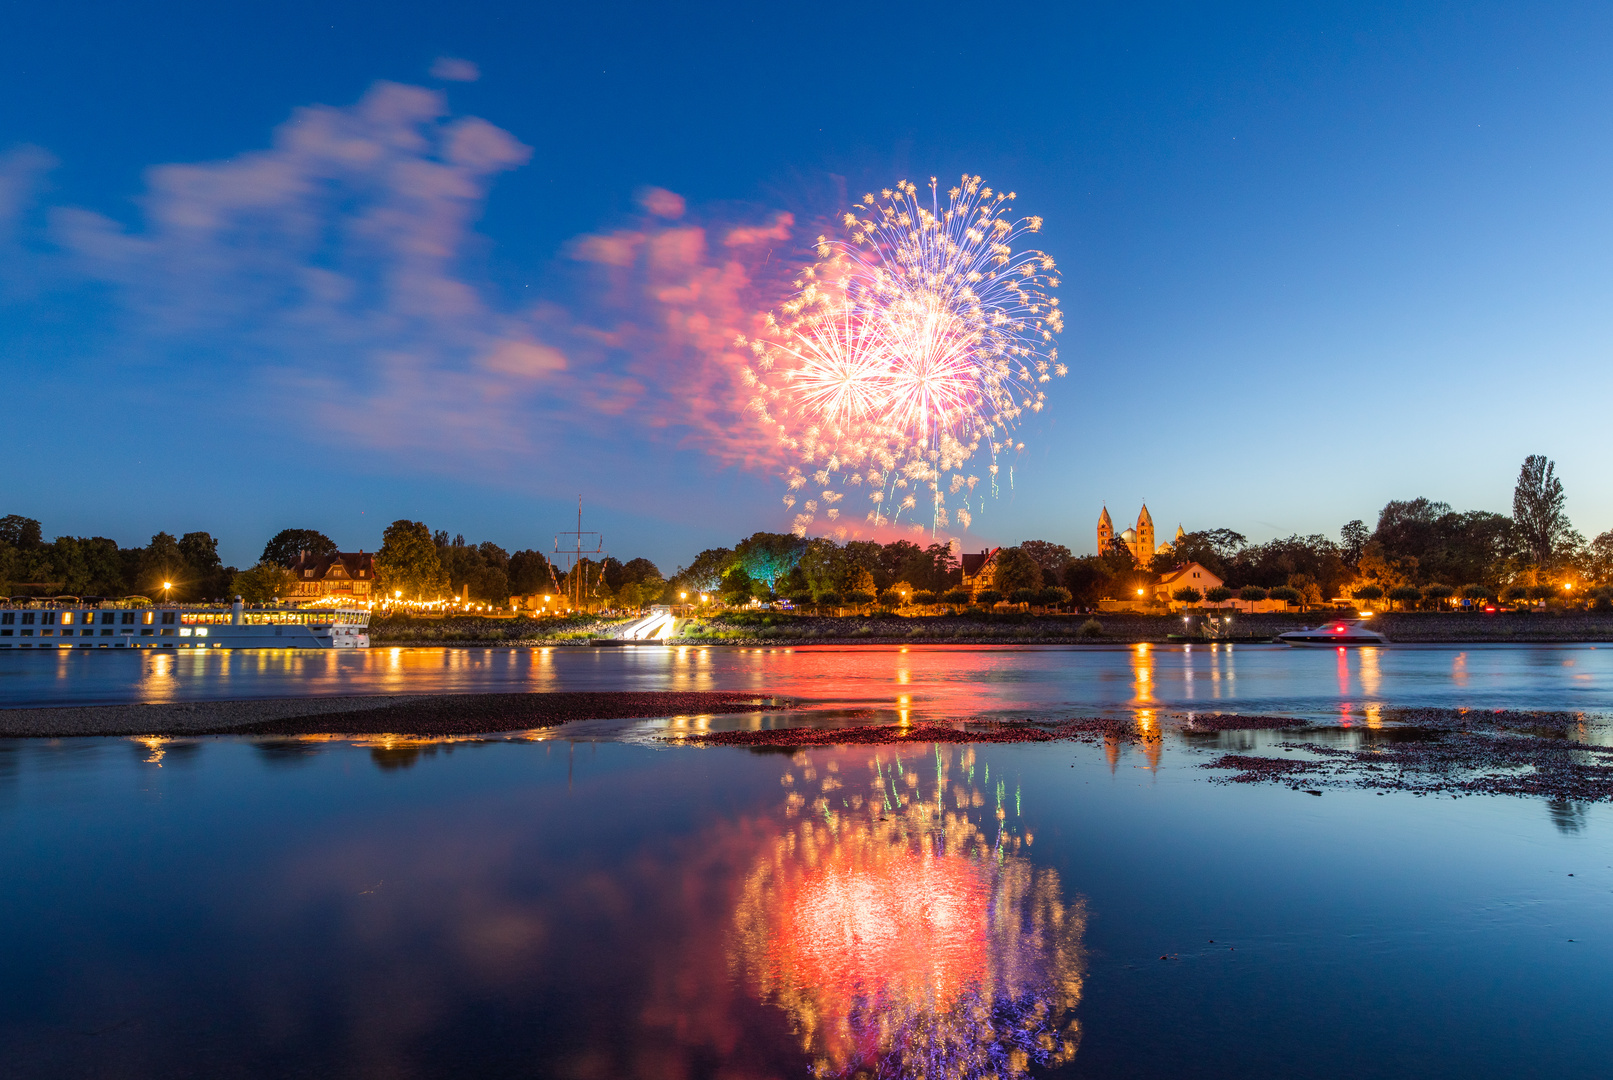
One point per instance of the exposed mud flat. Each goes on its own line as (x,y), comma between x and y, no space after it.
(1446,752)
(437,714)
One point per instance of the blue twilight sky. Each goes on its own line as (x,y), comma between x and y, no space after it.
(315,265)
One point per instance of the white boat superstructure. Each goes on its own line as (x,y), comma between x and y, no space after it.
(1338,634)
(69,623)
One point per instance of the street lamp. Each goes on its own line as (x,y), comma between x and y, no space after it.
(167,585)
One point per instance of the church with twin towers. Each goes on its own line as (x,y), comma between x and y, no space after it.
(1138,539)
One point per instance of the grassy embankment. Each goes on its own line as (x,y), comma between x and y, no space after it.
(1011,628)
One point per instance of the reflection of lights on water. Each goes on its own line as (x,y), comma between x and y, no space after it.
(1371,676)
(903,938)
(155,746)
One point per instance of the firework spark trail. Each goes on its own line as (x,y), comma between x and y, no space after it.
(908,346)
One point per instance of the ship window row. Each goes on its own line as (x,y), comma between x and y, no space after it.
(82,618)
(66,631)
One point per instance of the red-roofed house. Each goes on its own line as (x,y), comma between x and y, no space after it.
(342,577)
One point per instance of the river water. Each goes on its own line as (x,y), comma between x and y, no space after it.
(579,906)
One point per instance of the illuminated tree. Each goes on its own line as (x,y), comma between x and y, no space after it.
(408,562)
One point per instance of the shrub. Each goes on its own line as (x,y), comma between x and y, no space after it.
(1474,592)
(890,598)
(956,597)
(859,597)
(989,597)
(1053,596)
(1187,594)
(1251,593)
(1438,593)
(1023,596)
(831,598)
(1090,628)
(1513,593)
(1602,600)
(1286,595)
(801,599)
(1218,595)
(924,597)
(1368,592)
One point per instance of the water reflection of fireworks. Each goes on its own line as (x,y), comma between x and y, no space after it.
(904,930)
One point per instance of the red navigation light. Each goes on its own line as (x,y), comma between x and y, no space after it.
(1338,629)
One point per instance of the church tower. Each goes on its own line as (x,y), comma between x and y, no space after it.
(1145,535)
(1106,531)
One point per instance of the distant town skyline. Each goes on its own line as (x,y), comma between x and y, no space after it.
(263,269)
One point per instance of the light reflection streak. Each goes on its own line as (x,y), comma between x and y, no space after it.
(903,939)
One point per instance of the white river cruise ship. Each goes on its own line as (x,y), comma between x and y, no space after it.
(68,623)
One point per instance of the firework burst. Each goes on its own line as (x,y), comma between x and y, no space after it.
(916,340)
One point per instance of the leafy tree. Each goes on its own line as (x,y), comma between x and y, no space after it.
(1049,558)
(1087,578)
(1475,592)
(1514,593)
(829,598)
(20,532)
(823,564)
(408,562)
(705,574)
(923,598)
(1368,592)
(859,597)
(859,579)
(1599,559)
(1405,594)
(1252,593)
(989,597)
(1352,540)
(160,562)
(264,582)
(736,585)
(86,566)
(866,555)
(287,544)
(794,583)
(1014,569)
(1213,549)
(529,574)
(1537,508)
(1023,596)
(1274,563)
(1218,595)
(1285,594)
(955,597)
(769,556)
(1187,594)
(205,574)
(890,598)
(1052,596)
(641,570)
(1310,591)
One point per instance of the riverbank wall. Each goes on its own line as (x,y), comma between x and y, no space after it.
(1012,628)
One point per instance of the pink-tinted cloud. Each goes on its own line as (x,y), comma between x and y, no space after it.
(453,69)
(330,281)
(661,202)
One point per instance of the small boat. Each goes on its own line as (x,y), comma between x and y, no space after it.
(1337,634)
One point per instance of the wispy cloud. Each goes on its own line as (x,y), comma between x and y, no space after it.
(332,280)
(453,69)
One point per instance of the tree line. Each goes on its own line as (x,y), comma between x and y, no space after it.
(1420,551)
